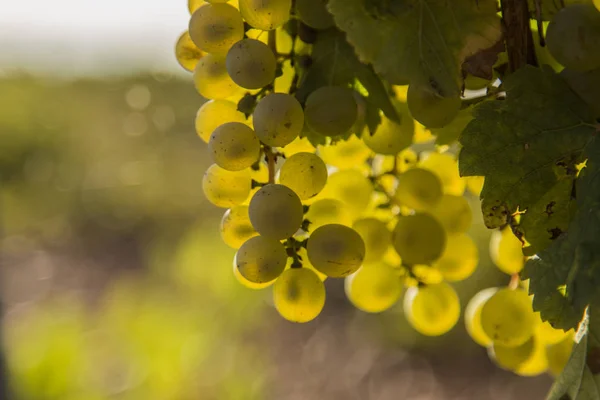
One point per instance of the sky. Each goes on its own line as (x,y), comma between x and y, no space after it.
(83,37)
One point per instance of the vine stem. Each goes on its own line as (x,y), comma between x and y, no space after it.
(519,40)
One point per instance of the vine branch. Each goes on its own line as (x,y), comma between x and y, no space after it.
(519,40)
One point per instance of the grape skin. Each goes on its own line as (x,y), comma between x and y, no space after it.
(214,113)
(473,317)
(305,174)
(506,251)
(418,189)
(314,13)
(235,227)
(266,14)
(328,211)
(211,78)
(214,28)
(507,317)
(374,288)
(346,153)
(418,239)
(431,109)
(234,146)
(432,309)
(351,187)
(246,283)
(390,138)
(459,259)
(251,64)
(276,211)
(226,188)
(445,167)
(537,362)
(454,213)
(558,355)
(376,236)
(187,53)
(331,110)
(511,358)
(299,295)
(261,259)
(335,250)
(278,119)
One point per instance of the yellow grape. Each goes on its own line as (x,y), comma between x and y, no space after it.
(418,189)
(511,358)
(304,173)
(351,187)
(235,226)
(507,317)
(299,295)
(306,263)
(506,251)
(537,363)
(430,108)
(261,259)
(597,4)
(373,288)
(335,250)
(454,213)
(265,14)
(432,309)
(376,236)
(246,283)
(446,168)
(474,184)
(276,211)
(547,334)
(345,153)
(211,78)
(284,82)
(460,258)
(214,113)
(328,211)
(187,53)
(214,28)
(299,145)
(422,134)
(278,119)
(251,64)
(331,110)
(473,317)
(391,138)
(419,239)
(226,188)
(234,146)
(423,274)
(193,5)
(558,355)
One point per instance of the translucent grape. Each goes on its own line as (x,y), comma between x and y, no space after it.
(474,184)
(373,288)
(276,211)
(216,1)
(597,4)
(298,145)
(558,355)
(432,309)
(261,259)
(193,5)
(391,138)
(331,110)
(314,13)
(506,251)
(547,334)
(345,153)
(278,119)
(186,52)
(473,317)
(211,78)
(304,173)
(234,146)
(430,108)
(251,64)
(537,362)
(418,189)
(446,168)
(299,295)
(454,213)
(459,259)
(328,211)
(246,283)
(376,236)
(214,28)
(335,250)
(419,239)
(266,14)
(351,187)
(235,226)
(507,317)
(511,358)
(226,188)
(214,113)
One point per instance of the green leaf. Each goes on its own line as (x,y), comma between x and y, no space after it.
(586,85)
(551,7)
(527,147)
(451,132)
(425,40)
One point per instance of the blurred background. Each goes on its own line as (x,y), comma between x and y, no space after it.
(114,282)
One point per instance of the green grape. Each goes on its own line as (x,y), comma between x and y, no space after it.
(226,188)
(351,187)
(303,257)
(278,119)
(331,110)
(376,236)
(328,211)
(459,259)
(473,317)
(432,309)
(418,239)
(266,14)
(234,146)
(573,37)
(214,113)
(430,108)
(391,138)
(214,28)
(186,52)
(446,168)
(299,295)
(537,363)
(298,145)
(246,283)
(506,251)
(373,288)
(211,78)
(474,184)
(251,64)
(454,213)
(261,259)
(511,358)
(558,355)
(335,250)
(276,211)
(418,189)
(597,4)
(314,13)
(507,317)
(304,173)
(216,1)
(345,153)
(235,226)
(547,334)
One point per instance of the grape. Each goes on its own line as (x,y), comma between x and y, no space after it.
(507,317)
(278,119)
(251,64)
(276,211)
(214,113)
(246,283)
(573,37)
(266,14)
(186,52)
(558,355)
(547,334)
(390,137)
(418,239)
(351,187)
(511,358)
(331,110)
(418,189)
(234,146)
(345,153)
(459,259)
(314,13)
(376,236)
(373,288)
(430,108)
(473,317)
(303,256)
(474,184)
(216,1)
(328,211)
(193,5)
(214,28)
(261,259)
(298,145)
(304,173)
(335,250)
(299,295)
(211,78)
(446,168)
(597,4)
(537,362)
(454,213)
(432,309)
(506,251)
(226,188)
(236,227)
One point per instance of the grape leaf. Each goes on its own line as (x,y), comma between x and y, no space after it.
(425,40)
(527,147)
(550,7)
(586,85)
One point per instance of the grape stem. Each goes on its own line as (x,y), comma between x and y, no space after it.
(292,246)
(271,158)
(514,282)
